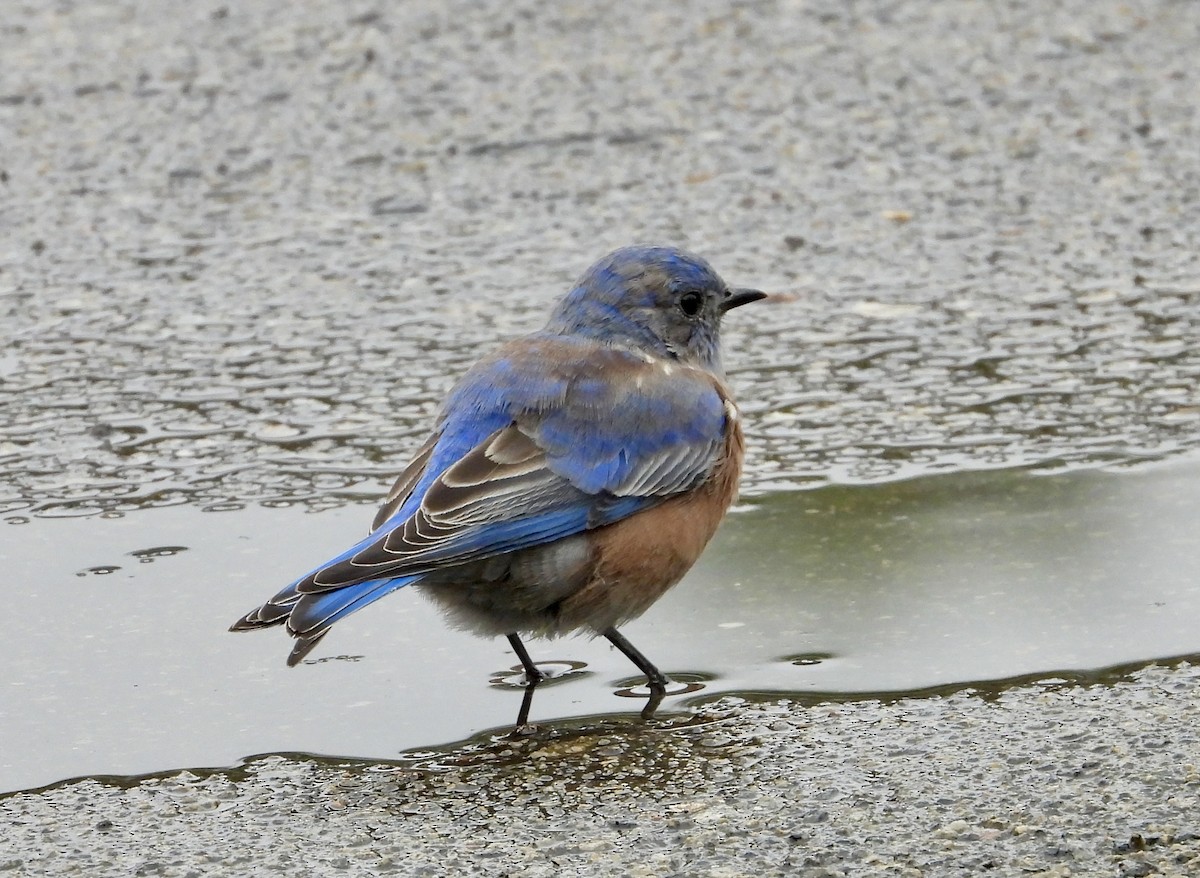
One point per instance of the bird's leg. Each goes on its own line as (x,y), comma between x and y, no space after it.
(533,676)
(655,679)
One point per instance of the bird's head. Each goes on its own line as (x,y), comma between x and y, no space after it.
(660,300)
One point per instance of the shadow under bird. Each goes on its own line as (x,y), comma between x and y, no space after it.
(571,478)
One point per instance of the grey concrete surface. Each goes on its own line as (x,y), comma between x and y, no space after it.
(248,246)
(245,247)
(1049,780)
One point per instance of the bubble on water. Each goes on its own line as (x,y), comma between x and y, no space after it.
(147,556)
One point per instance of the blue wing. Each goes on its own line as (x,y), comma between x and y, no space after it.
(541,440)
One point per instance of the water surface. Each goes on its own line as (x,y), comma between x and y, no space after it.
(120,662)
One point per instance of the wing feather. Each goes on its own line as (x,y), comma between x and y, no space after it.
(405,483)
(584,452)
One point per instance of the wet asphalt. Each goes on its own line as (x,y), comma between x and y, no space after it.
(1053,779)
(245,250)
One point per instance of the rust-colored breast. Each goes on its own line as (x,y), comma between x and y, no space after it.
(637,559)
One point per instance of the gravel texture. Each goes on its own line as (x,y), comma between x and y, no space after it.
(1051,779)
(246,247)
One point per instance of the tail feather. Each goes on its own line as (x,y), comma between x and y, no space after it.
(303,646)
(270,613)
(317,611)
(310,616)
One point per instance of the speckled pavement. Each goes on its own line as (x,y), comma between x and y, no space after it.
(246,246)
(1052,780)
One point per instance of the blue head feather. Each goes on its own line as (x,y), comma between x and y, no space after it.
(660,300)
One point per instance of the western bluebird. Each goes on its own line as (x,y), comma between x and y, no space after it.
(572,476)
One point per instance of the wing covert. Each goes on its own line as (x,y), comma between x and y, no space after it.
(592,440)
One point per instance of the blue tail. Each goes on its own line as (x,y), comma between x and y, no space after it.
(309,616)
(320,610)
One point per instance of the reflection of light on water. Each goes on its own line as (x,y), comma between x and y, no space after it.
(677,684)
(99,570)
(555,672)
(147,556)
(807,659)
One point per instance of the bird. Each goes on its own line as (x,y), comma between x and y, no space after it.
(572,476)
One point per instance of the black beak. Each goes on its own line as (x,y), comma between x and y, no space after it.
(737,298)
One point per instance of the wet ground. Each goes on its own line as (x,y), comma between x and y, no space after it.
(1051,780)
(245,251)
(925,584)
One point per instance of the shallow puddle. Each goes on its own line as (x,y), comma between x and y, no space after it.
(118,662)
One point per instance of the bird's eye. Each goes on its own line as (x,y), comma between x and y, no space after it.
(691,302)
